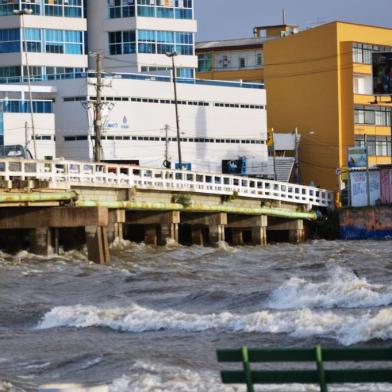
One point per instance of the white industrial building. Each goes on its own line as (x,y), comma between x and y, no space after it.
(15,119)
(219,121)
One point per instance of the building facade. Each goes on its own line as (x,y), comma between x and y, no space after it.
(219,121)
(238,59)
(47,36)
(137,35)
(320,81)
(16,119)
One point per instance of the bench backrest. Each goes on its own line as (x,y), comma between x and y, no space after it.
(317,355)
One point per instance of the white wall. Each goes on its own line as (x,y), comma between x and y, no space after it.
(231,59)
(143,119)
(15,132)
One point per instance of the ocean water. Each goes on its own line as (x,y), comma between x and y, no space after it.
(152,320)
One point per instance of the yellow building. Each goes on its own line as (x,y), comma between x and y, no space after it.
(320,81)
(238,59)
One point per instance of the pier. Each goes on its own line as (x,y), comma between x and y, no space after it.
(53,204)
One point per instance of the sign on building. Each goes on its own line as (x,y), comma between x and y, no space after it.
(359,191)
(382,73)
(357,157)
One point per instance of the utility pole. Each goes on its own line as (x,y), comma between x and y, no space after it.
(22,13)
(26,135)
(297,169)
(172,55)
(367,171)
(98,109)
(274,153)
(390,135)
(167,161)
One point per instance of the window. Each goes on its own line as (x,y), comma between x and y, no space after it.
(151,41)
(24,106)
(204,62)
(259,59)
(9,41)
(53,41)
(64,8)
(172,9)
(362,53)
(372,115)
(242,62)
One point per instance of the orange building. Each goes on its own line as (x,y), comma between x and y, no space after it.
(320,81)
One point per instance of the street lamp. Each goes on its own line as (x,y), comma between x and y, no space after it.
(172,55)
(21,13)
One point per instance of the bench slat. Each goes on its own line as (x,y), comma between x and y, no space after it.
(357,376)
(307,355)
(308,376)
(269,355)
(271,377)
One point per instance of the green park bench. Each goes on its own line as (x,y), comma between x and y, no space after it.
(319,375)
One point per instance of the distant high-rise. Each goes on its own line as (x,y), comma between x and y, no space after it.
(52,33)
(136,35)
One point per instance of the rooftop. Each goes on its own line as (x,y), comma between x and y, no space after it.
(230,43)
(133,76)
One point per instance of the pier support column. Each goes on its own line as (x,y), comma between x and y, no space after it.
(294,228)
(116,222)
(197,236)
(217,234)
(97,244)
(296,236)
(256,225)
(202,223)
(40,241)
(151,235)
(159,227)
(259,236)
(237,237)
(168,232)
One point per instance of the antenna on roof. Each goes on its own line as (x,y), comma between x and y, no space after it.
(284,16)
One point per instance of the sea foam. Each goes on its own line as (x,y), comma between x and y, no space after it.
(344,327)
(341,289)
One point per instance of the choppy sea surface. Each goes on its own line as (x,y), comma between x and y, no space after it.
(152,320)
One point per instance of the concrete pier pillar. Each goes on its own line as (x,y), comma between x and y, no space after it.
(202,223)
(97,244)
(159,227)
(197,236)
(237,237)
(296,236)
(259,236)
(217,234)
(116,224)
(151,235)
(56,240)
(255,225)
(40,241)
(294,228)
(168,232)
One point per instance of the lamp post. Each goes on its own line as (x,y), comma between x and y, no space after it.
(172,55)
(21,13)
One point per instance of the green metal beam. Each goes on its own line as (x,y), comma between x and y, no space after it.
(131,205)
(31,197)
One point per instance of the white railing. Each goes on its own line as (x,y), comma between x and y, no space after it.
(62,174)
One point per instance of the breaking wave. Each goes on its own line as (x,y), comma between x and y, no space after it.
(342,289)
(345,328)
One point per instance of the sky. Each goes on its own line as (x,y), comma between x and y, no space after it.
(226,19)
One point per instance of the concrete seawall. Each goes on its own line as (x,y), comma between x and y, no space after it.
(366,223)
